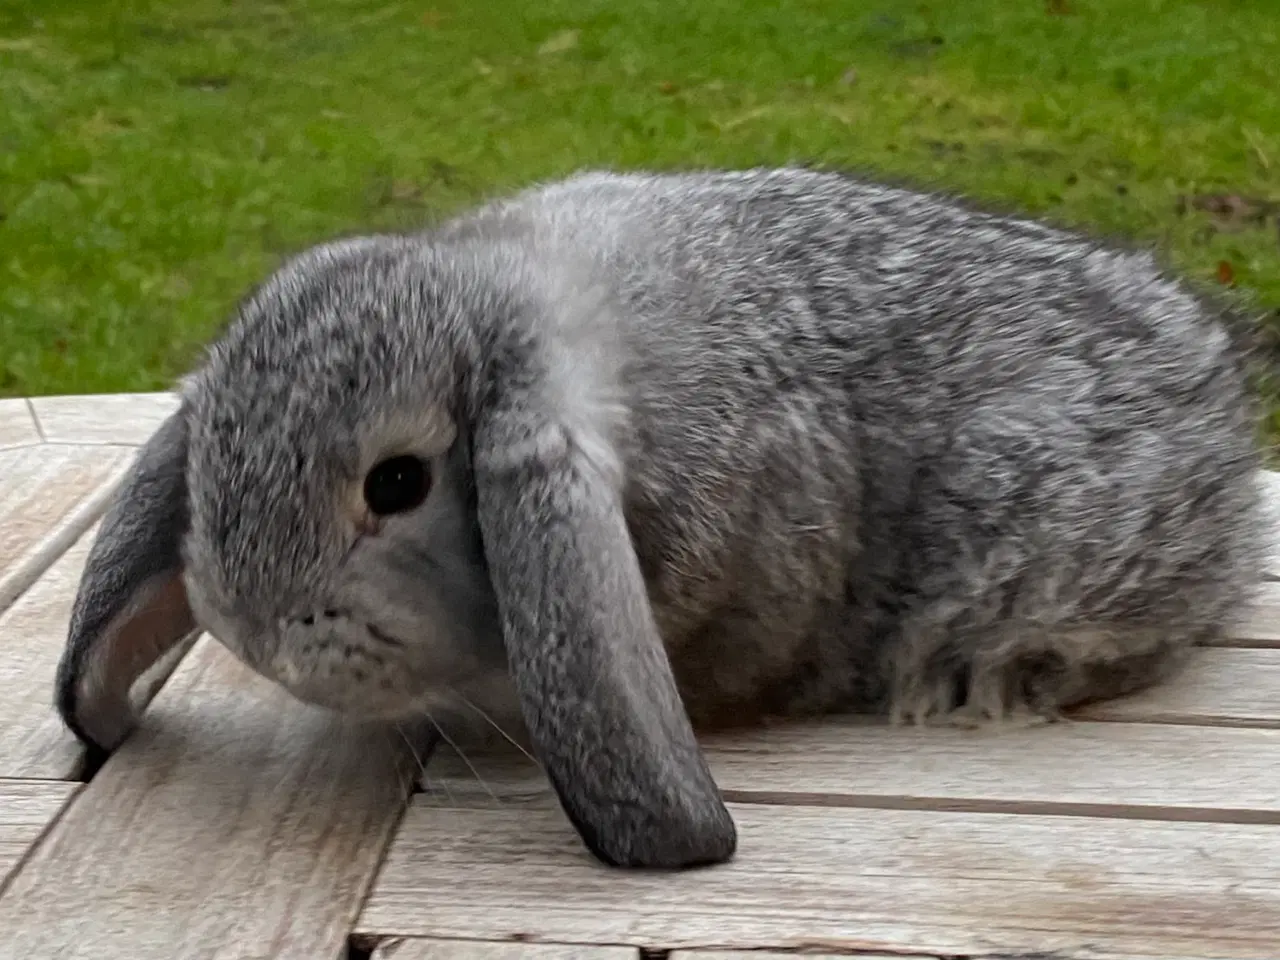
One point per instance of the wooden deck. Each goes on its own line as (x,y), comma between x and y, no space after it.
(237,823)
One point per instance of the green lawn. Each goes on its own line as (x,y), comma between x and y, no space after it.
(157,158)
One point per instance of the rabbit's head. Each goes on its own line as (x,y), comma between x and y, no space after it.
(393,483)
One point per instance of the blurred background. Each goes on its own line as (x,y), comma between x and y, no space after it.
(158,158)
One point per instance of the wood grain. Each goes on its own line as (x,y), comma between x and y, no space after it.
(118,418)
(398,948)
(1224,686)
(17,428)
(33,741)
(27,807)
(1152,771)
(49,495)
(767,955)
(1259,623)
(849,879)
(234,823)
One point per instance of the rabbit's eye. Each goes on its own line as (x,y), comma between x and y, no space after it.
(397,485)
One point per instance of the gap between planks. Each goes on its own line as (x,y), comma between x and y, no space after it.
(918,882)
(1101,770)
(234,823)
(27,809)
(402,948)
(35,421)
(34,743)
(114,418)
(18,427)
(49,496)
(398,948)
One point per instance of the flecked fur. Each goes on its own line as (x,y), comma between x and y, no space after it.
(875,451)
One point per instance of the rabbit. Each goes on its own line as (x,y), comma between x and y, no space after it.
(628,456)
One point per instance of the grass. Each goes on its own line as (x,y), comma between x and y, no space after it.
(157,157)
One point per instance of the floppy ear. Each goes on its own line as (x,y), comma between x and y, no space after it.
(593,678)
(131,608)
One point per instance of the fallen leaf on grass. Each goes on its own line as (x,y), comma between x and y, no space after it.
(560,42)
(1058,8)
(1231,210)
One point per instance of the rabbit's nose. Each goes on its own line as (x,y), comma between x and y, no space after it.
(311,617)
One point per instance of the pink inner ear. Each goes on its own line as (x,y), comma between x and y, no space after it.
(151,626)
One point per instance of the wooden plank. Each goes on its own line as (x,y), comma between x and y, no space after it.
(1222,686)
(27,807)
(1096,768)
(128,418)
(1259,623)
(17,428)
(847,880)
(234,823)
(1153,771)
(33,741)
(770,955)
(399,948)
(49,495)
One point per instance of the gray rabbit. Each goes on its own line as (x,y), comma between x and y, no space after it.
(628,455)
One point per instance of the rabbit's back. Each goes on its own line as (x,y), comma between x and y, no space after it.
(859,411)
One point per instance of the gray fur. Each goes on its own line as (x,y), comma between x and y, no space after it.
(873,451)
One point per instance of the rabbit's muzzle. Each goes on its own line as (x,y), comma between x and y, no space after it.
(334,659)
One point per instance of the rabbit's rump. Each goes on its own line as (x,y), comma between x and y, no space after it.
(1045,580)
(888,454)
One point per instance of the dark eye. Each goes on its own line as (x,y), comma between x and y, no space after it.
(397,485)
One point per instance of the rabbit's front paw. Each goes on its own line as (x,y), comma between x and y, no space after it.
(970,701)
(928,703)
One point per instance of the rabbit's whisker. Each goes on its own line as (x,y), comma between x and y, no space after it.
(465,759)
(497,726)
(422,766)
(406,789)
(405,783)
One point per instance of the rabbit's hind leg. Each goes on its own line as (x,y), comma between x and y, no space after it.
(1087,664)
(1028,674)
